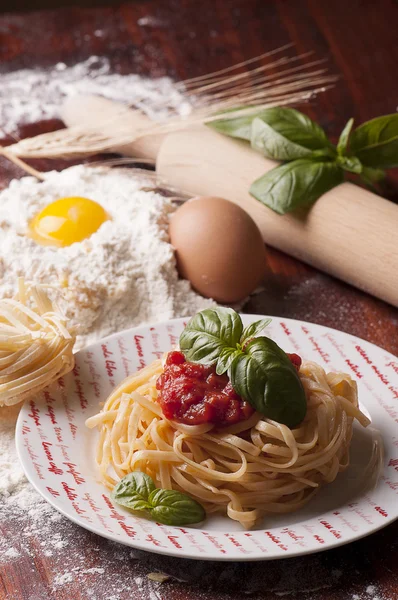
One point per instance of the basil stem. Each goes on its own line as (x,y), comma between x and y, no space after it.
(350,163)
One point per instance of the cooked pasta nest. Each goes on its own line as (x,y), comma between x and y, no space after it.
(246,470)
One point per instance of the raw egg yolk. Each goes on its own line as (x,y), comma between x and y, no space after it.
(66,221)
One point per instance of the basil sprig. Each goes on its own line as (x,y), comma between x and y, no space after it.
(259,371)
(296,184)
(137,491)
(312,164)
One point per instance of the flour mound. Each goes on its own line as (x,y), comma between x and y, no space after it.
(122,276)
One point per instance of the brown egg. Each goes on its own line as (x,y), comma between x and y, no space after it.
(219,248)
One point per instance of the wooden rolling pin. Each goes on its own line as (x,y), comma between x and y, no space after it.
(106,116)
(350,232)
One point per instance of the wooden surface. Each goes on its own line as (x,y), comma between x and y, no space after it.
(184,39)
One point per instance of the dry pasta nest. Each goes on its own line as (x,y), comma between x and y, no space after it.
(36,348)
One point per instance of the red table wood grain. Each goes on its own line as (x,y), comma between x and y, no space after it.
(184,38)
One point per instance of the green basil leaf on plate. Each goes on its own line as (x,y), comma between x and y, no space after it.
(274,145)
(342,144)
(133,491)
(254,329)
(175,508)
(264,375)
(225,359)
(137,491)
(296,184)
(209,332)
(375,142)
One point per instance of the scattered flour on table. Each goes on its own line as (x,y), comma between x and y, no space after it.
(12,553)
(18,500)
(60,580)
(110,571)
(121,288)
(123,275)
(30,95)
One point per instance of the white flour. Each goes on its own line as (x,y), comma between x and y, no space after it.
(123,275)
(18,500)
(131,279)
(30,95)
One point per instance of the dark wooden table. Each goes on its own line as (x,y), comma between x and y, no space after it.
(185,38)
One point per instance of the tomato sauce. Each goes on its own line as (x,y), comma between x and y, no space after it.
(194,394)
(296,360)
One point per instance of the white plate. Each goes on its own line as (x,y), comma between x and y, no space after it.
(57,450)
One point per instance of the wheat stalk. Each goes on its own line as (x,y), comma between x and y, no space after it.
(20,163)
(240,90)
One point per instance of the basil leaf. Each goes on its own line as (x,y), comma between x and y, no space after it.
(344,137)
(174,508)
(350,163)
(296,127)
(289,123)
(259,371)
(375,142)
(133,491)
(137,491)
(237,127)
(264,375)
(254,329)
(225,359)
(372,176)
(274,145)
(296,184)
(209,332)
